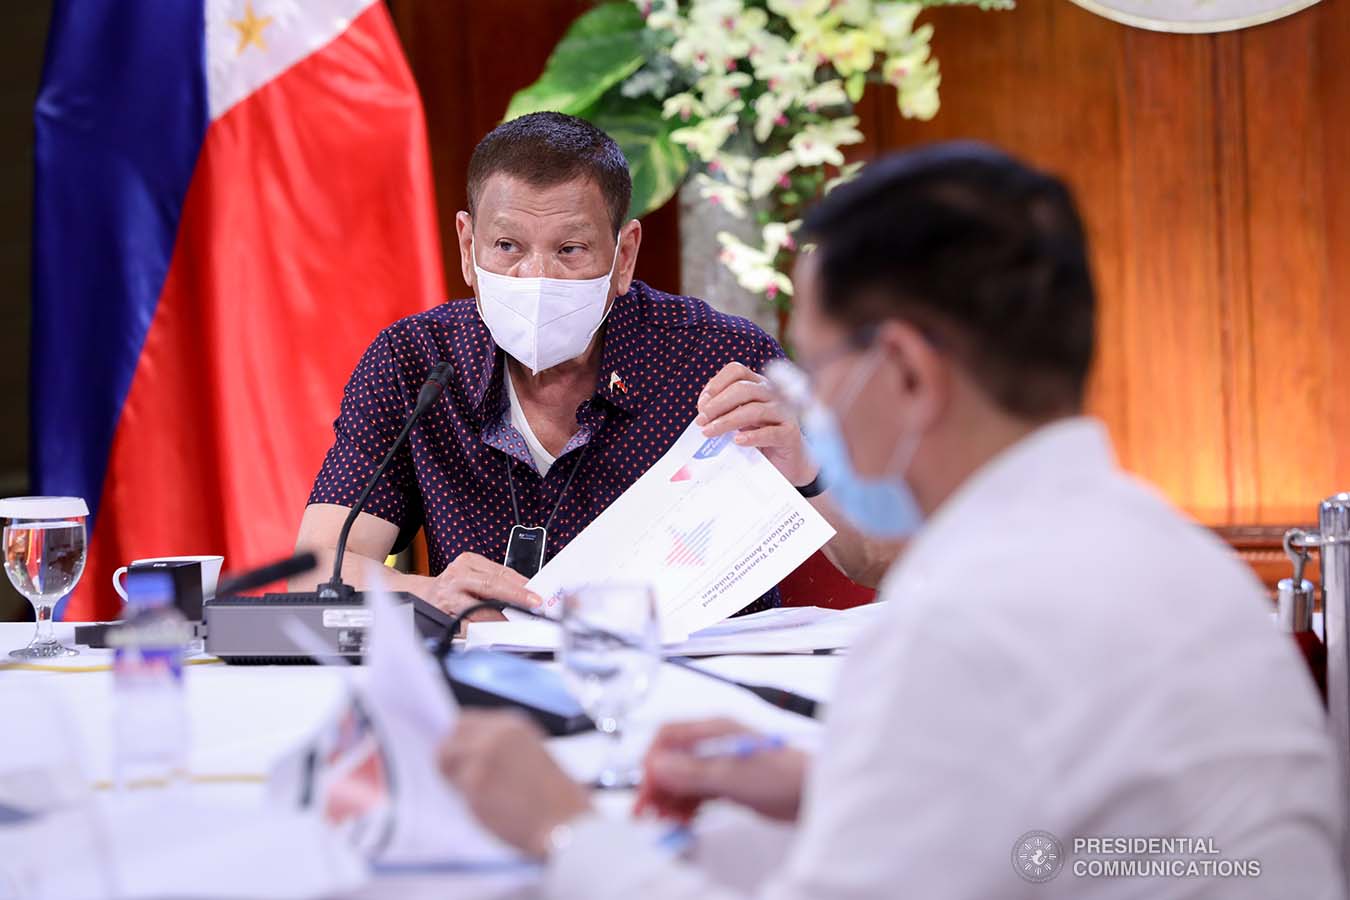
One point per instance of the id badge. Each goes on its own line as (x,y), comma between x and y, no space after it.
(525,550)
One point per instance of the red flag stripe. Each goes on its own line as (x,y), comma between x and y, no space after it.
(308,226)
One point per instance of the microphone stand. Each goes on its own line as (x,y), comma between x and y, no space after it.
(335,588)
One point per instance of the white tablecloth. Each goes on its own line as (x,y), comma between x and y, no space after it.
(244,718)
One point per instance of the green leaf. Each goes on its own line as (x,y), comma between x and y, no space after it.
(658,164)
(601,49)
(855,85)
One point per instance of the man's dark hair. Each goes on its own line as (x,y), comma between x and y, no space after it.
(545,149)
(983,254)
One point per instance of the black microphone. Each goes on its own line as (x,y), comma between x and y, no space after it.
(436,382)
(774,696)
(237,583)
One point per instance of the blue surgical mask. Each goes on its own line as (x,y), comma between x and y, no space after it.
(883,507)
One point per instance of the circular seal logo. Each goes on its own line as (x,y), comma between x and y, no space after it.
(1038,856)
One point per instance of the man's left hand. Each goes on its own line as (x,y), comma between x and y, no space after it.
(499,763)
(741,400)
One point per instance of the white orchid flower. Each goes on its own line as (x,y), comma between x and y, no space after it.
(826,94)
(767,49)
(846,174)
(753,268)
(791,73)
(707,137)
(851,49)
(716,11)
(723,29)
(751,23)
(727,196)
(734,167)
(778,235)
(841,132)
(797,10)
(916,78)
(662,15)
(895,21)
(819,144)
(739,256)
(769,172)
(685,106)
(770,113)
(918,98)
(705,46)
(763,279)
(722,90)
(858,13)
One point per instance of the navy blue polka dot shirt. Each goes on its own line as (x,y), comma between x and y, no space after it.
(659,352)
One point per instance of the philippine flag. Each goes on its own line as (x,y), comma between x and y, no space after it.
(232,198)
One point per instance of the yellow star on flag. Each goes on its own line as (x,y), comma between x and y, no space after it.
(250,29)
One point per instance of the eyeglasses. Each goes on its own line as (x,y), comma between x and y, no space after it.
(798,383)
(860,339)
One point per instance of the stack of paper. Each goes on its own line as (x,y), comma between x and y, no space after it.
(797,629)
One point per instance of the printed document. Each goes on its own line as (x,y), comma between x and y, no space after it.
(711,526)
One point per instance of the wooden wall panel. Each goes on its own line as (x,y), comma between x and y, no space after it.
(1332,32)
(1172,315)
(1291,183)
(1210,172)
(1234,283)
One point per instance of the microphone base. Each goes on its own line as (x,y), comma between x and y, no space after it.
(246,630)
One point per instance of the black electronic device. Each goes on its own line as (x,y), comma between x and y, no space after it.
(525,550)
(245,630)
(188,591)
(487,678)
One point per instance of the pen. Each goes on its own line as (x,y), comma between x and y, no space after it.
(738,746)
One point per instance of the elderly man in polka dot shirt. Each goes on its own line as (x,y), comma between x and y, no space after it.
(570,379)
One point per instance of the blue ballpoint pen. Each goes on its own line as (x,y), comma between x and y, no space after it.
(738,746)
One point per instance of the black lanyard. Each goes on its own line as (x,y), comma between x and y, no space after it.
(525,546)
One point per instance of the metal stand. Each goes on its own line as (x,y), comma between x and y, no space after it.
(1332,541)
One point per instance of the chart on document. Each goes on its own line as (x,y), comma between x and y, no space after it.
(711,526)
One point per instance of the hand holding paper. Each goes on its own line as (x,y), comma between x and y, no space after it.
(711,526)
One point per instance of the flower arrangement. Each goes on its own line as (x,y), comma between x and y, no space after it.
(753,99)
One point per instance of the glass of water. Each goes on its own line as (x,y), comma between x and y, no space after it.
(610,653)
(44,540)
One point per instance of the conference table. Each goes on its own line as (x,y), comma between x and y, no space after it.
(224,833)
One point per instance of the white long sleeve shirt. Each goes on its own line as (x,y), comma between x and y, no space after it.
(1063,652)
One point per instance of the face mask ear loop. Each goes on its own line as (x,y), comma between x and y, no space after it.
(478,288)
(909,446)
(855,384)
(613,263)
(906,449)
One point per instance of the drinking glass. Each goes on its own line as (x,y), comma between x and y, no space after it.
(44,540)
(610,653)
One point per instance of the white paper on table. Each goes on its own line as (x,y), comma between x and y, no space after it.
(372,772)
(414,711)
(795,629)
(711,526)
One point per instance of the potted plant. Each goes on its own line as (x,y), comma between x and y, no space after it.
(743,107)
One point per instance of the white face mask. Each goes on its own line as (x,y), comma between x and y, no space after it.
(542,321)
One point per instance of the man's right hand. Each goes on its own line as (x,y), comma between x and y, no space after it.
(676,781)
(471,578)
